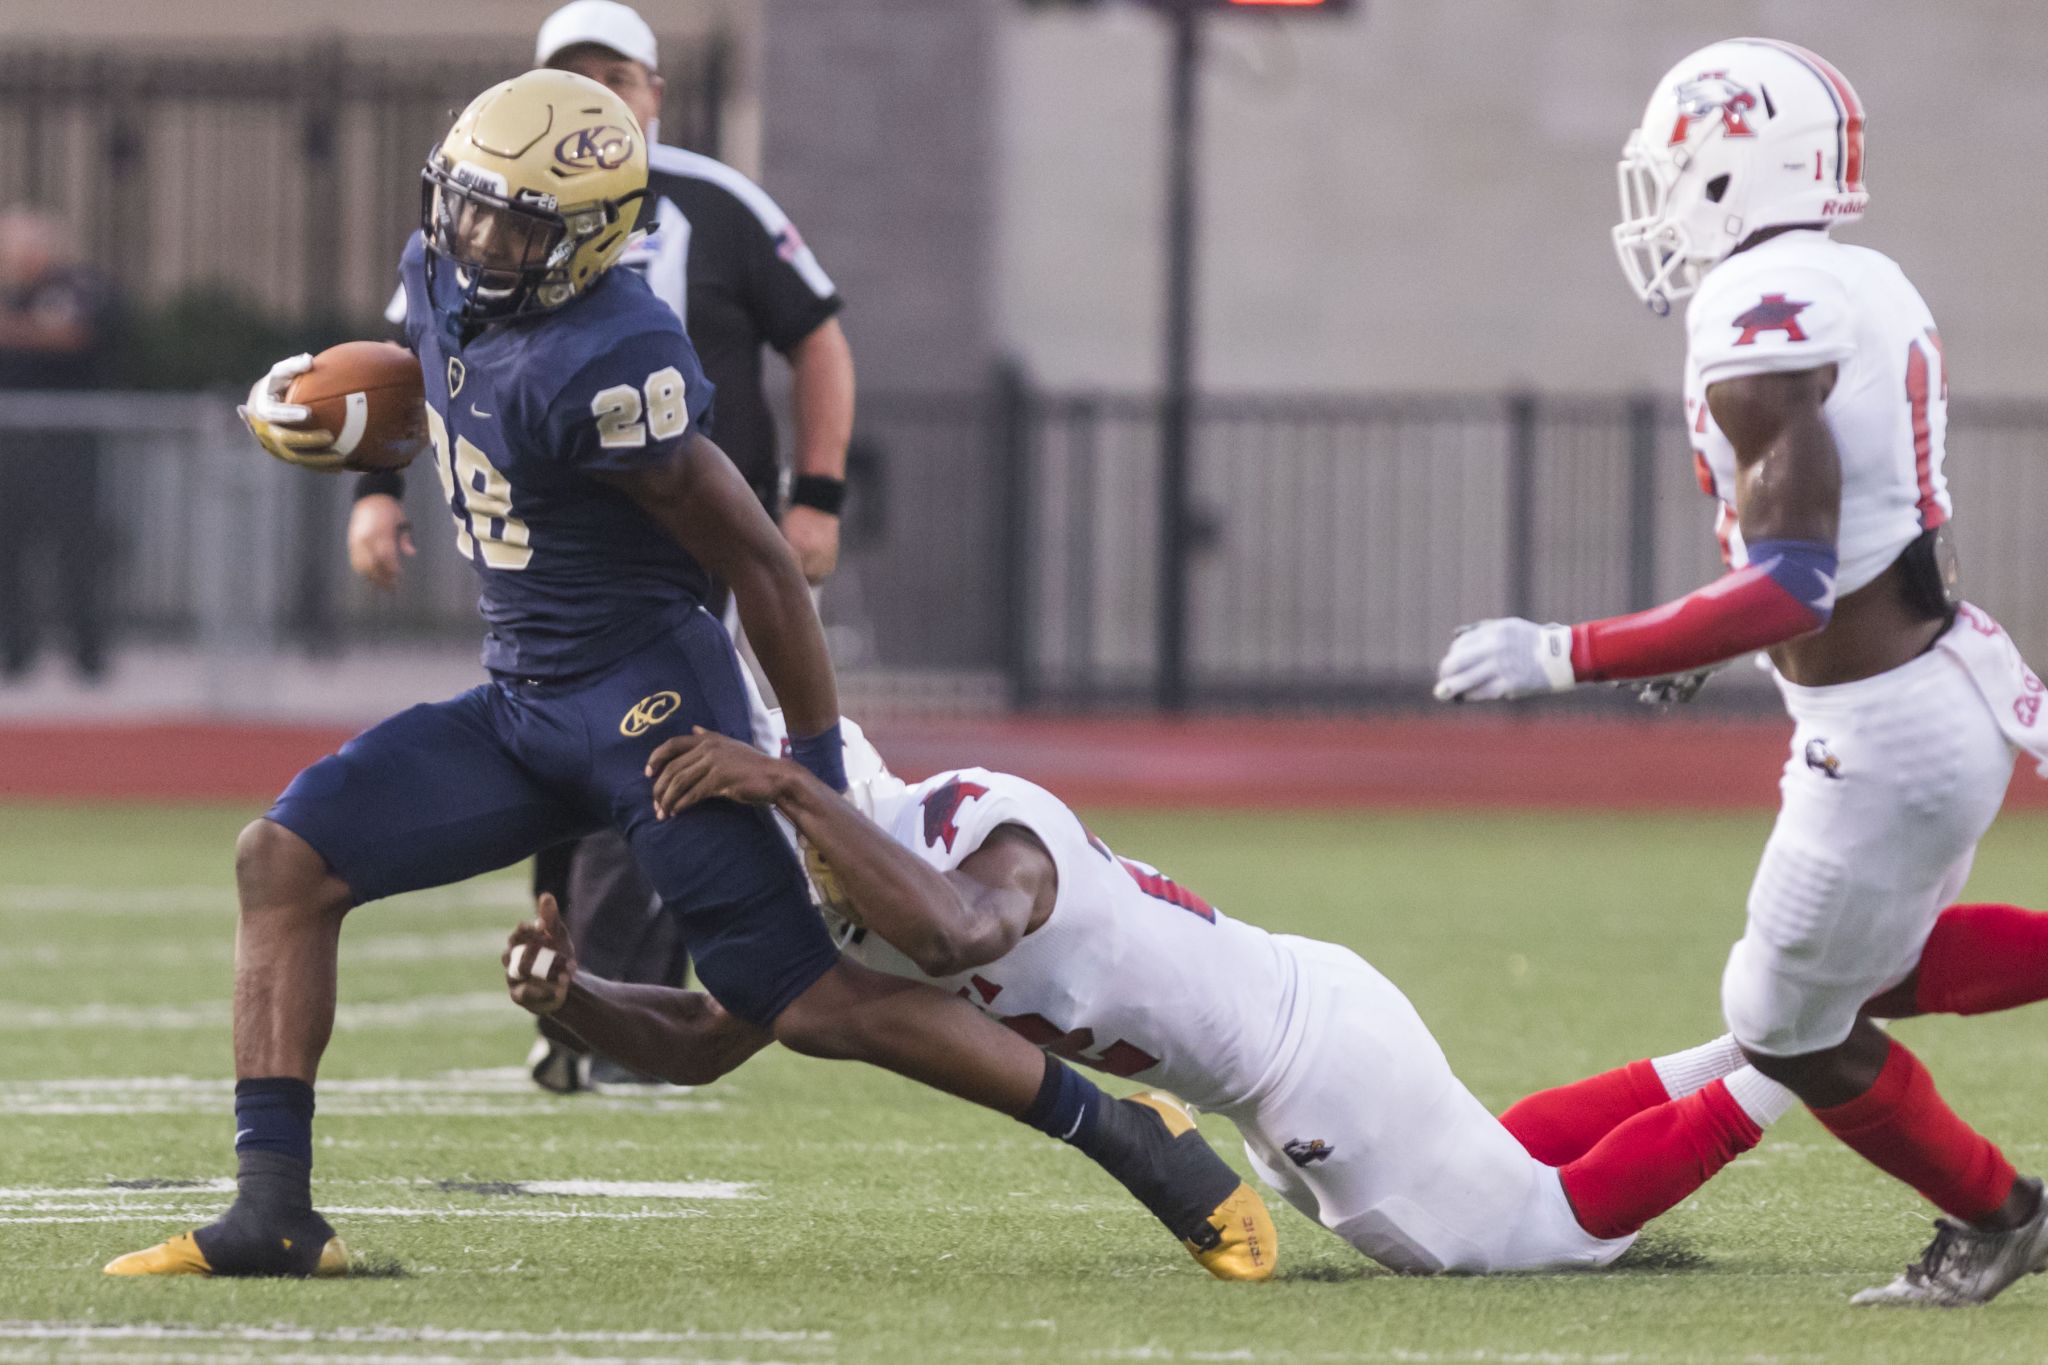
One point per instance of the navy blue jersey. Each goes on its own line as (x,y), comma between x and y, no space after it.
(522,414)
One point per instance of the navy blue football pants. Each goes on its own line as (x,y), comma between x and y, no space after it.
(442,792)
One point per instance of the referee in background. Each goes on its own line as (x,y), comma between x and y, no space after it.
(727,259)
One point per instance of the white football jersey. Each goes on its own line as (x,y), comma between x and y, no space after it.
(1131,974)
(1802,300)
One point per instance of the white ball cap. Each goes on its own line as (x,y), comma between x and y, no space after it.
(604,22)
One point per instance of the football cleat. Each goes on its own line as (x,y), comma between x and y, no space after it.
(1237,1239)
(1964,1266)
(182,1256)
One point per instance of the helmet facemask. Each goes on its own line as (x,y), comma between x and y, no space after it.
(1655,238)
(1652,239)
(512,254)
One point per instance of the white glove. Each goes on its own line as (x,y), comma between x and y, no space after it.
(271,420)
(1506,658)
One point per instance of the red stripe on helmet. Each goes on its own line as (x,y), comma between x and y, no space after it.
(1846,100)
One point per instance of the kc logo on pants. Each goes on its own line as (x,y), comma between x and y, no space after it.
(649,712)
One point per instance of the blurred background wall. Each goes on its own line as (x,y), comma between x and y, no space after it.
(1419,197)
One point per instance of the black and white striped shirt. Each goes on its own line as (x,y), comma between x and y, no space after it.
(726,257)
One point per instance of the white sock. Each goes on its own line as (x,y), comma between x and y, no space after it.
(1763,1099)
(1698,1067)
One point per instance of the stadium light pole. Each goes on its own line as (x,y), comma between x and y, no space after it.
(1176,417)
(1170,689)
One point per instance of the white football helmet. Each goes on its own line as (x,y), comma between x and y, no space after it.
(1742,135)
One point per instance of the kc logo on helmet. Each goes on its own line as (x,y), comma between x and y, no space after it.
(1707,94)
(649,712)
(603,148)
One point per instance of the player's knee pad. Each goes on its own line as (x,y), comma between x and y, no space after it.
(1775,1013)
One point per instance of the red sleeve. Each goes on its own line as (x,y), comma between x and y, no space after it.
(1736,614)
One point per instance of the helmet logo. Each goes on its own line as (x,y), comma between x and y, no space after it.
(1710,93)
(649,712)
(603,148)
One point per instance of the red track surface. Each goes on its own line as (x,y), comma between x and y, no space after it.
(1423,762)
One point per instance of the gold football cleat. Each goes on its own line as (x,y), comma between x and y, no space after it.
(181,1256)
(1249,1248)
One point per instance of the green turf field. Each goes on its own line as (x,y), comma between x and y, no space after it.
(811,1212)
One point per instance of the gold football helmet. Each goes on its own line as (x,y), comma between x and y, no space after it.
(533,193)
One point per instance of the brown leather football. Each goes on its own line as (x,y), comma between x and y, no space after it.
(368,393)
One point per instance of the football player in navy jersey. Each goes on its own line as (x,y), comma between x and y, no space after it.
(563,405)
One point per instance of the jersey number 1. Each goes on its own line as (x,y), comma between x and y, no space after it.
(1921,395)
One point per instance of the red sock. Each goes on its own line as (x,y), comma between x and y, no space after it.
(1560,1125)
(1902,1126)
(1655,1159)
(1982,958)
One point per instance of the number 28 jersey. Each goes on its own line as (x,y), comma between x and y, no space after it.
(523,414)
(1800,301)
(1131,974)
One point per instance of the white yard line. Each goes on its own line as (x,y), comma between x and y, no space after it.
(583,1106)
(392,1335)
(496,894)
(220,949)
(1396,1355)
(499,1080)
(149,1215)
(217,1014)
(73,1356)
(498,1092)
(640,1189)
(50,1199)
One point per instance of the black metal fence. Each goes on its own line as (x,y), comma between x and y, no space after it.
(291,176)
(1013,535)
(1337,542)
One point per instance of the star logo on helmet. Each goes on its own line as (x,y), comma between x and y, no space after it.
(1708,94)
(1772,313)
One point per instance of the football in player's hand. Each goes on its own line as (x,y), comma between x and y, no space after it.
(368,393)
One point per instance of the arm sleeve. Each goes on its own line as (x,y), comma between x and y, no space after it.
(787,291)
(630,408)
(1771,320)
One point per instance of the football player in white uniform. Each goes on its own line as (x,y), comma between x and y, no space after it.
(993,888)
(1817,399)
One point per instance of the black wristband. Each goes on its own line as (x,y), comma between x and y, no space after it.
(371,482)
(820,491)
